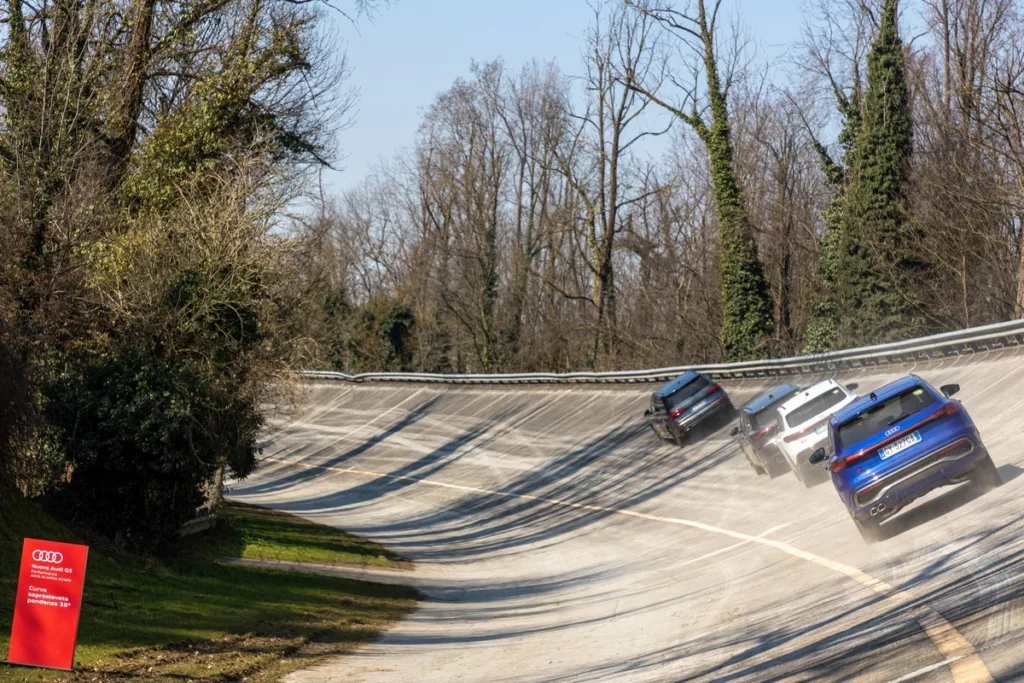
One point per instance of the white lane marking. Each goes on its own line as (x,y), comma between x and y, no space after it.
(925,670)
(965,665)
(734,546)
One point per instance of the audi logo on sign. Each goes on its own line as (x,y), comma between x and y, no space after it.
(47,556)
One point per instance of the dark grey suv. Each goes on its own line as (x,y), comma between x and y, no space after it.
(758,425)
(679,406)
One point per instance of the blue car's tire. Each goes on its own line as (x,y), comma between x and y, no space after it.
(986,474)
(869,530)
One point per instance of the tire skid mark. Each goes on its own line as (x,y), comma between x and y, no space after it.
(965,664)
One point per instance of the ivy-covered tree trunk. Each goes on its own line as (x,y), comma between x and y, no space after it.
(747,320)
(828,329)
(878,263)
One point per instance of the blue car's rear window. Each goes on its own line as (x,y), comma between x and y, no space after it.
(884,414)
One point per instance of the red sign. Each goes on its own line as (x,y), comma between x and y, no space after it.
(49,600)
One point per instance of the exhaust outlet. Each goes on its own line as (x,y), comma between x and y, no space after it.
(874,511)
(881,508)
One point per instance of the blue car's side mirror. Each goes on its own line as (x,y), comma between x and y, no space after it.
(949,389)
(818,456)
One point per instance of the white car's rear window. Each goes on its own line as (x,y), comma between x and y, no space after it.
(815,406)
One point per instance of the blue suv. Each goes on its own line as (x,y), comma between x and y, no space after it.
(899,443)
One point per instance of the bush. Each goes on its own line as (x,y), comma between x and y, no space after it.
(15,411)
(143,437)
(376,337)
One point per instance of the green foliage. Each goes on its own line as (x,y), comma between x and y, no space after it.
(878,259)
(747,312)
(142,436)
(142,149)
(826,332)
(227,113)
(333,336)
(166,391)
(376,337)
(747,322)
(15,408)
(868,259)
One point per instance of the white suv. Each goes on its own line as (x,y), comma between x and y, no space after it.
(803,424)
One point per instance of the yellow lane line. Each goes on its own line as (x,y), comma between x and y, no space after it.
(965,665)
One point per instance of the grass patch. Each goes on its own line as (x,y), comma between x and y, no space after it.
(190,619)
(256,533)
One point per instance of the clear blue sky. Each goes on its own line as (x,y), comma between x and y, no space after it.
(414,49)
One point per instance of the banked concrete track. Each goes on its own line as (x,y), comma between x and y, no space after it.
(557,540)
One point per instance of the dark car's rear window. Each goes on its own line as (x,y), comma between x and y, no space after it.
(686,392)
(769,414)
(884,414)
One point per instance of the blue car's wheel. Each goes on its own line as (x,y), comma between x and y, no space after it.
(869,530)
(986,474)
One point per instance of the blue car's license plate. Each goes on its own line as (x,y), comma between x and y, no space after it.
(899,445)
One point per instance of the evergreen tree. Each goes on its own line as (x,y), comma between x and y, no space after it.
(876,262)
(868,264)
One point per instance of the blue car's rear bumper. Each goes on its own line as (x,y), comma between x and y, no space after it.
(915,480)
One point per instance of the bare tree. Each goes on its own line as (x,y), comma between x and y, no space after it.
(619,42)
(748,321)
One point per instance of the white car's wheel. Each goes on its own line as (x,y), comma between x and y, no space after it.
(804,476)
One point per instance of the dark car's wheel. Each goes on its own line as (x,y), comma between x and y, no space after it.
(869,530)
(758,470)
(986,474)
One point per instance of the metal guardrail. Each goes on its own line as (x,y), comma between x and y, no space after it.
(924,349)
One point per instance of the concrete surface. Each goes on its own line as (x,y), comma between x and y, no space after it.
(558,540)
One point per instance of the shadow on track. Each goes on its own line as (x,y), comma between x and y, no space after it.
(512,517)
(618,467)
(824,633)
(302,474)
(949,501)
